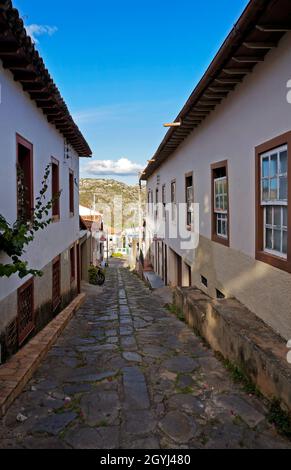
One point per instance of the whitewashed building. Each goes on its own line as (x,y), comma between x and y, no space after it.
(36,130)
(231,154)
(92,252)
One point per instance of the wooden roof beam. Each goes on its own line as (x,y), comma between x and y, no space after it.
(39,95)
(190,126)
(61,121)
(4,28)
(277,28)
(33,86)
(47,105)
(25,76)
(176,140)
(222,90)
(53,119)
(202,109)
(197,114)
(8,48)
(228,81)
(206,102)
(52,111)
(191,121)
(46,102)
(260,45)
(181,132)
(215,97)
(15,63)
(248,59)
(65,127)
(232,71)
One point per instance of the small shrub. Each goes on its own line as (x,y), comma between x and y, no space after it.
(117,255)
(239,376)
(94,275)
(280,418)
(172,308)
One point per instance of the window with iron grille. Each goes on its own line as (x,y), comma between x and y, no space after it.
(71,192)
(55,190)
(164,200)
(25,318)
(11,337)
(189,201)
(173,201)
(157,205)
(56,294)
(150,202)
(24,178)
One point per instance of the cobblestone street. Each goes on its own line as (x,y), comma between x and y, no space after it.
(126,373)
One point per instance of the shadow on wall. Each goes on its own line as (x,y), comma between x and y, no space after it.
(265,290)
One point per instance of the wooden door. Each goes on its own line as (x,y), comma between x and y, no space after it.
(78,269)
(179,270)
(166,265)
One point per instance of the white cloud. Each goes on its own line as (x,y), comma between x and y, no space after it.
(97,114)
(121,167)
(35,30)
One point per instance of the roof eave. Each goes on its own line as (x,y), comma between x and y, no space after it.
(19,55)
(245,46)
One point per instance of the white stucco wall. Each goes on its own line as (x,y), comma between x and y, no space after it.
(254,113)
(19,114)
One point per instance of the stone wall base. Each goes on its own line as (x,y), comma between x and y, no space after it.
(242,338)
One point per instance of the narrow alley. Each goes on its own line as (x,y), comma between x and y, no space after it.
(126,373)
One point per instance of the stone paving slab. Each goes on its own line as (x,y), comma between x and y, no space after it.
(127,374)
(15,374)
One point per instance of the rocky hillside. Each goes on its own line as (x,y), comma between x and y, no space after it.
(109,194)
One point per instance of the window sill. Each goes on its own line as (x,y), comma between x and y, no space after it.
(56,218)
(220,240)
(273,260)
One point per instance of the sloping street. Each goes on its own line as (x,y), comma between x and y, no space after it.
(127,373)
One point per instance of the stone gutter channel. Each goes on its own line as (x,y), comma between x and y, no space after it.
(135,392)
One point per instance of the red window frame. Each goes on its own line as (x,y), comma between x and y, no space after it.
(261,255)
(71,193)
(216,238)
(27,168)
(55,188)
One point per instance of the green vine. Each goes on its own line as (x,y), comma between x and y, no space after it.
(15,237)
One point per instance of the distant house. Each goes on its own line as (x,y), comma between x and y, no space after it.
(36,130)
(90,214)
(92,251)
(230,152)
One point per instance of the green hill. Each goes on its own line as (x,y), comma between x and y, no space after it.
(110,193)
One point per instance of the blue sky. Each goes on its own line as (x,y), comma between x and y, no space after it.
(126,67)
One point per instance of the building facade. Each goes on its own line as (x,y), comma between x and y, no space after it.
(230,153)
(36,131)
(93,251)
